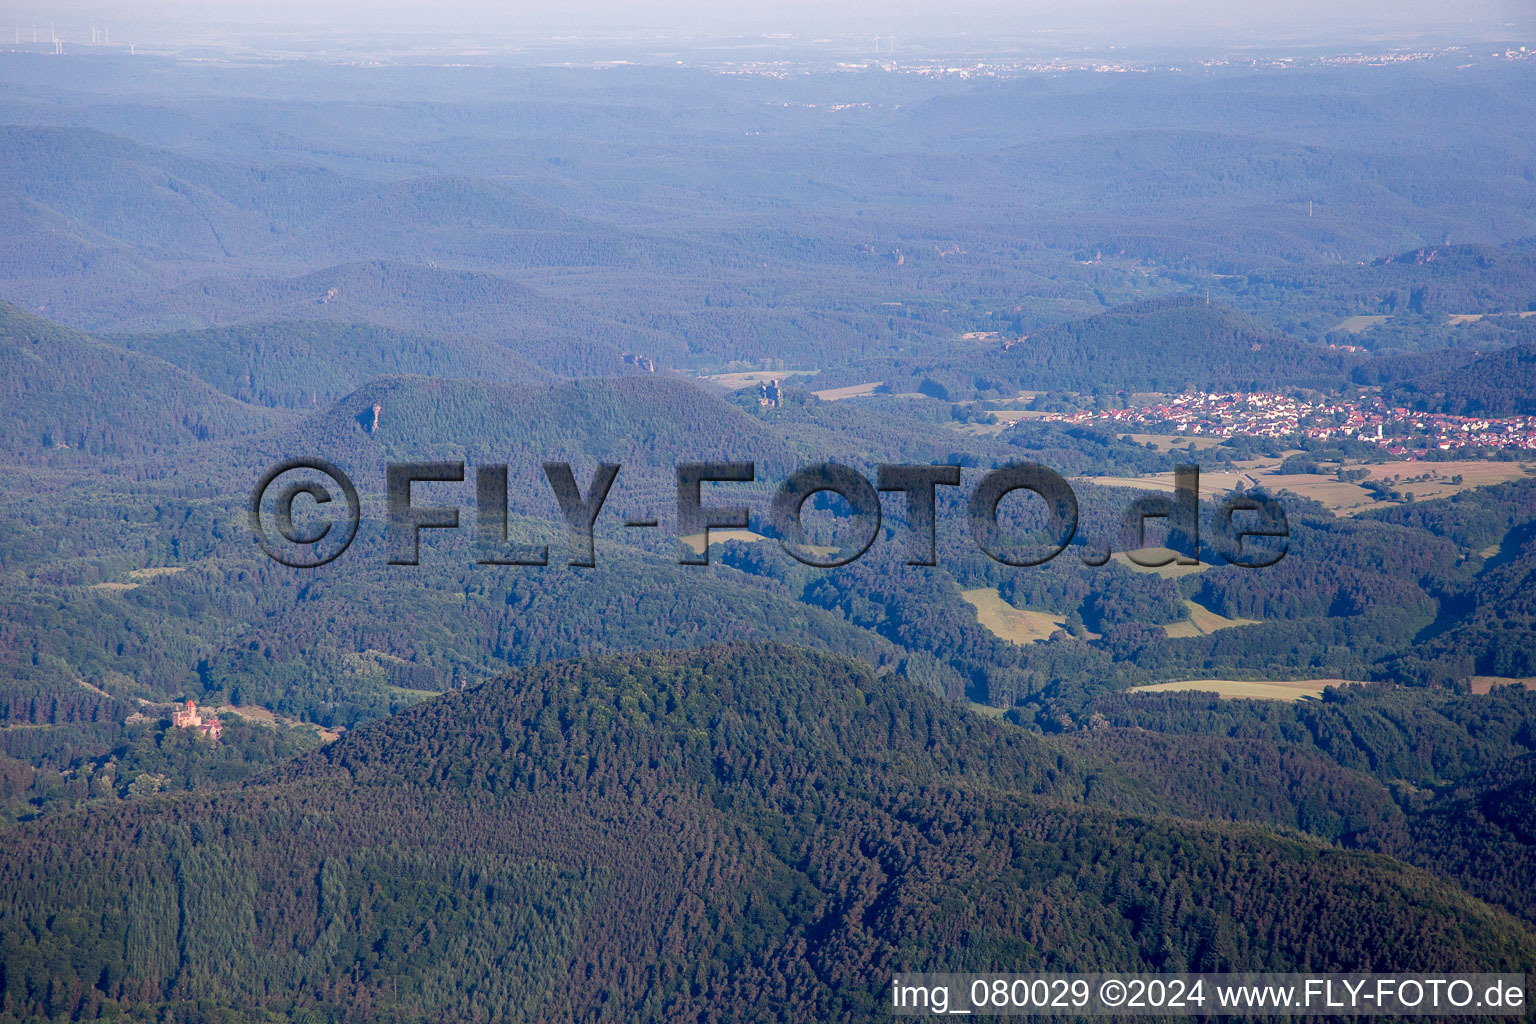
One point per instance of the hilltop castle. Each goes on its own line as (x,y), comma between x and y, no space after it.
(188,718)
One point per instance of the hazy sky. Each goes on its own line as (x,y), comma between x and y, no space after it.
(1126,21)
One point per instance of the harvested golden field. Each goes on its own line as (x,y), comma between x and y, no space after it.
(1326,489)
(1340,496)
(1203,622)
(696,540)
(851,391)
(1473,473)
(1483,684)
(1248,689)
(1005,621)
(1168,442)
(1172,570)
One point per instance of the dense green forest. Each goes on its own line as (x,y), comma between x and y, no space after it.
(755,827)
(1159,345)
(1501,384)
(64,391)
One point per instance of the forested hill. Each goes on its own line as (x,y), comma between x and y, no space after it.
(1462,278)
(299,364)
(60,389)
(1423,287)
(1165,345)
(757,827)
(647,419)
(1168,344)
(1500,384)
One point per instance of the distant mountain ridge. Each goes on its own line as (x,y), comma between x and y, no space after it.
(164,203)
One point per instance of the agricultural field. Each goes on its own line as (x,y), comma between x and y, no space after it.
(1009,623)
(851,391)
(1441,482)
(1202,621)
(1168,442)
(696,540)
(1485,684)
(1338,495)
(1172,570)
(1457,319)
(1248,689)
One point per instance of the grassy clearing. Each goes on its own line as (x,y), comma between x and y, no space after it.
(264,716)
(139,577)
(145,575)
(1005,418)
(1006,622)
(1248,689)
(1357,324)
(1457,319)
(752,378)
(986,709)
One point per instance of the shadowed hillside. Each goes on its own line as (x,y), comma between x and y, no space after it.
(65,390)
(303,363)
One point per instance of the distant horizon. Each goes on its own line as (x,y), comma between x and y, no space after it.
(972,25)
